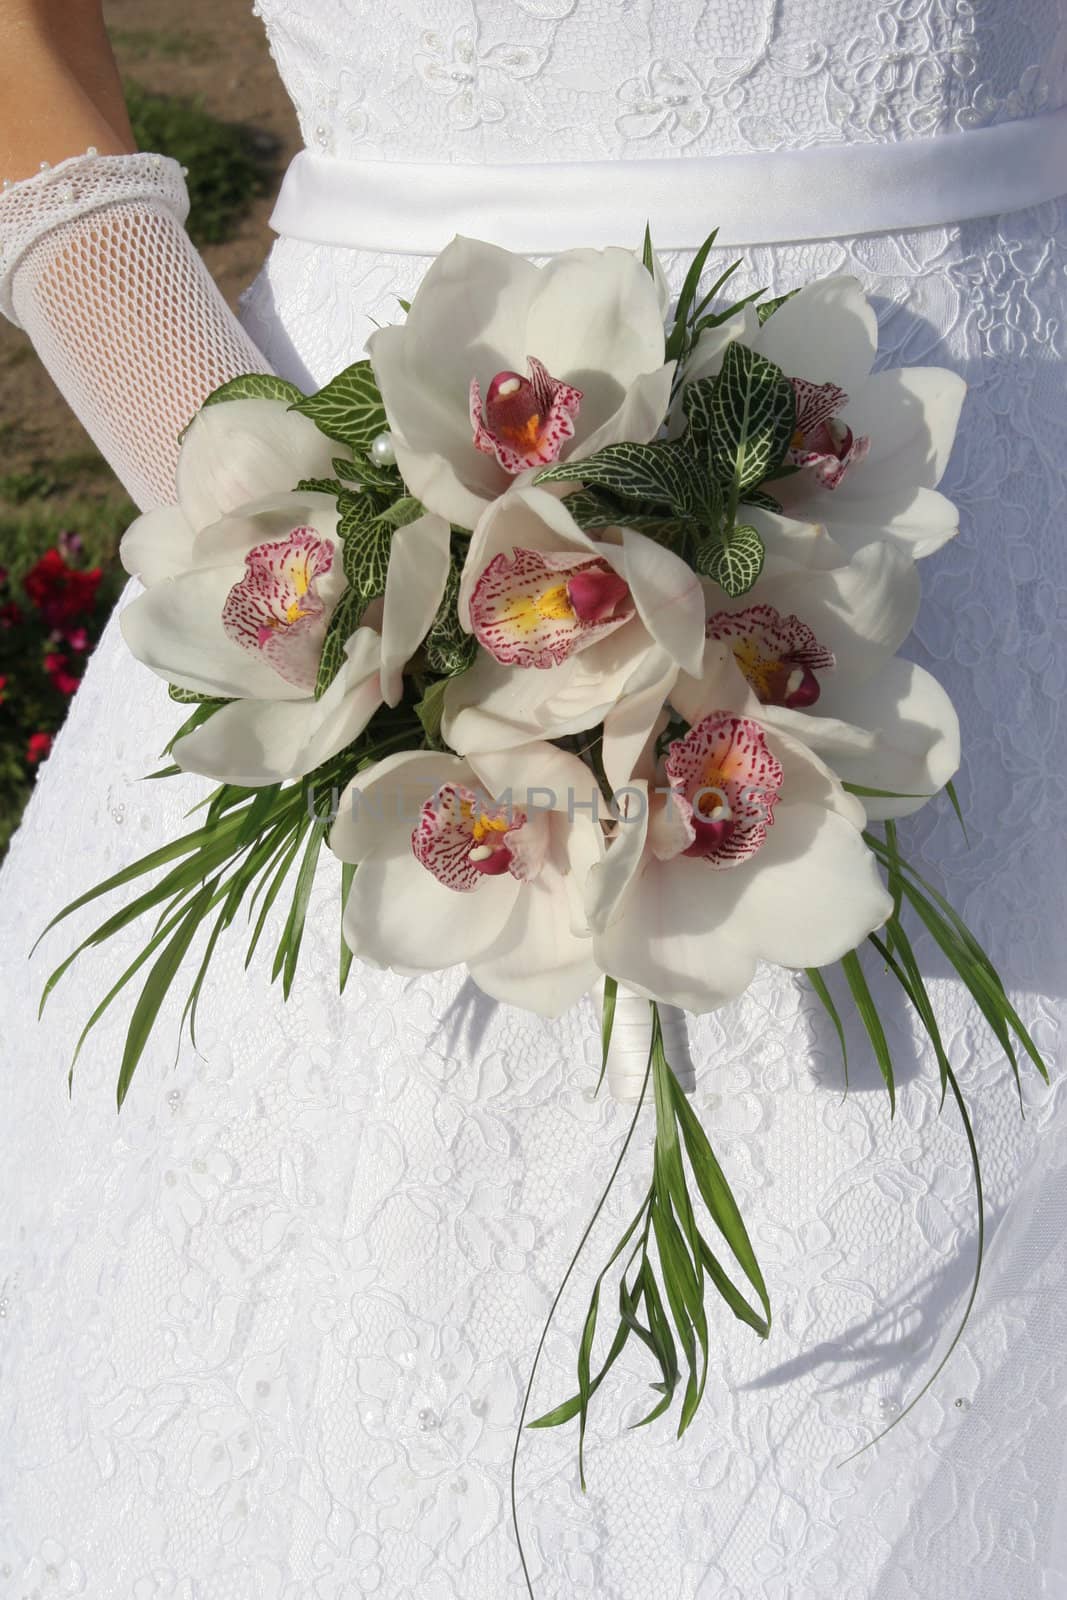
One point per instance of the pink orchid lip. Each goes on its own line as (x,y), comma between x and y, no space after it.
(821,441)
(525,422)
(725,783)
(276,610)
(536,608)
(778,655)
(462,837)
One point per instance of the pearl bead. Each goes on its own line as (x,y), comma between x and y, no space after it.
(157,161)
(383,451)
(92,151)
(46,166)
(66,194)
(185,172)
(7,183)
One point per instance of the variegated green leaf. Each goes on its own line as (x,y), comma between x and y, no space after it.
(662,474)
(769,307)
(448,649)
(401,512)
(256,386)
(734,562)
(189,697)
(348,408)
(332,486)
(342,626)
(754,413)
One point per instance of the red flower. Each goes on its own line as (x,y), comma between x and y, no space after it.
(38,747)
(10,614)
(56,668)
(60,592)
(3,686)
(76,638)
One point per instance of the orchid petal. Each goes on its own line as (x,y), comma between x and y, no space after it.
(415,581)
(158,545)
(917,748)
(241,450)
(256,742)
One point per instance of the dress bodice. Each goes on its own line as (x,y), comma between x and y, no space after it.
(537,80)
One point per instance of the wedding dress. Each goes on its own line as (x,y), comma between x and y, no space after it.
(264,1334)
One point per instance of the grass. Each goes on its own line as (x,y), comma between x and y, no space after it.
(230,164)
(161,44)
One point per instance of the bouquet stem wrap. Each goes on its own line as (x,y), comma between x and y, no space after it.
(631,1040)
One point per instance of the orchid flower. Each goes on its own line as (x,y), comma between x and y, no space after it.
(481,862)
(502,367)
(741,847)
(869,448)
(574,631)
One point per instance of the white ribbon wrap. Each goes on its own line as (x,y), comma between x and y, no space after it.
(631,1040)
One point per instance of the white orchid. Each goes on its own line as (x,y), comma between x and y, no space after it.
(233,452)
(481,862)
(501,367)
(870,448)
(743,848)
(574,631)
(817,651)
(239,609)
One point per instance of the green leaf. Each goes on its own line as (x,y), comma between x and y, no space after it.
(678,340)
(288,951)
(348,408)
(647,256)
(255,386)
(189,697)
(403,510)
(331,486)
(769,307)
(868,1011)
(753,418)
(348,873)
(203,710)
(733,561)
(607,1023)
(717,1196)
(156,986)
(342,625)
(818,983)
(662,474)
(761,501)
(950,790)
(365,548)
(430,708)
(976,1169)
(447,648)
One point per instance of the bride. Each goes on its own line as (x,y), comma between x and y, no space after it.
(266,1332)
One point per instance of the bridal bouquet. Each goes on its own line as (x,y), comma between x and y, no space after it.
(570,624)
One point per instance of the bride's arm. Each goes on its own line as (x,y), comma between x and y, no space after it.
(95,263)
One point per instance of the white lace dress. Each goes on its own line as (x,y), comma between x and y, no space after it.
(263,1336)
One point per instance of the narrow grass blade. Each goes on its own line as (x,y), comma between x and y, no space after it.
(868,1011)
(976,1169)
(819,984)
(156,986)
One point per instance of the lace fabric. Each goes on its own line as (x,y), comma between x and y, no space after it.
(265,1333)
(96,266)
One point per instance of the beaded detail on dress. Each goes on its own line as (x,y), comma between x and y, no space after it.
(536,80)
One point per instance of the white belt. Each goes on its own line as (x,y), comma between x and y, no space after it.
(828,191)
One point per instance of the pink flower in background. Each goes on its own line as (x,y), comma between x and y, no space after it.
(39,746)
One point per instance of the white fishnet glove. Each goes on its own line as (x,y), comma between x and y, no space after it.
(96,266)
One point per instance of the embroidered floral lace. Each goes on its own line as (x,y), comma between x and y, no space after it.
(264,1334)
